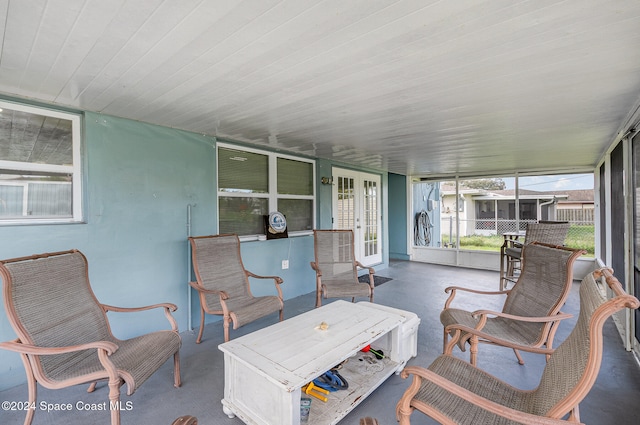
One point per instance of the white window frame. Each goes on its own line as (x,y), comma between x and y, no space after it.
(272,195)
(74,170)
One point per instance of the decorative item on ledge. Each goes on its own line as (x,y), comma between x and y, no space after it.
(326,180)
(275,225)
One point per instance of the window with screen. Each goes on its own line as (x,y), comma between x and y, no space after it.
(253,183)
(40,180)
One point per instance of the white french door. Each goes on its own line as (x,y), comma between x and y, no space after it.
(356,206)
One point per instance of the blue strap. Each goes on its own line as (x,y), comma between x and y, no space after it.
(331,381)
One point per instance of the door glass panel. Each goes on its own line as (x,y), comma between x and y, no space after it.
(356,207)
(346,205)
(370,218)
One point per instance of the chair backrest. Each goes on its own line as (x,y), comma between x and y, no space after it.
(573,367)
(544,282)
(334,253)
(217,264)
(550,232)
(50,303)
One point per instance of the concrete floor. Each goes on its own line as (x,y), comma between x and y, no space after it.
(615,398)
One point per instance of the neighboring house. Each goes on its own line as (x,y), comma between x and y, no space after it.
(488,212)
(578,207)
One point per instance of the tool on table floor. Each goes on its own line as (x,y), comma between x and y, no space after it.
(315,391)
(378,353)
(331,380)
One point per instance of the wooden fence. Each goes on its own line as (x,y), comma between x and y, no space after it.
(576,215)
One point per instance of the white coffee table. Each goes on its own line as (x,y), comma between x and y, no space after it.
(265,370)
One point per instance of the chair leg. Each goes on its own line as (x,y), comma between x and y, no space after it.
(552,335)
(177,381)
(114,400)
(450,344)
(473,350)
(403,407)
(318,298)
(92,387)
(32,387)
(574,415)
(445,338)
(201,331)
(226,320)
(518,356)
(281,314)
(503,282)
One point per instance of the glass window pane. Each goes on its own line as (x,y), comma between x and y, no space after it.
(243,216)
(561,197)
(430,219)
(40,172)
(240,171)
(299,213)
(295,177)
(11,196)
(36,196)
(487,202)
(346,203)
(33,138)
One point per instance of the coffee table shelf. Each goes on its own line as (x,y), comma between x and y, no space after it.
(363,379)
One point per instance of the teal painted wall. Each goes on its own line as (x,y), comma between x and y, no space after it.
(398,225)
(323,195)
(139,180)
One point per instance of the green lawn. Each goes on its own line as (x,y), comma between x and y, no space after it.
(581,237)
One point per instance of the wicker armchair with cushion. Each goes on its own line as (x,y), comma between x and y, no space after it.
(337,268)
(453,391)
(531,311)
(223,283)
(64,337)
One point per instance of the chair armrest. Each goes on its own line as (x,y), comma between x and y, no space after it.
(517,244)
(420,373)
(168,308)
(370,270)
(511,243)
(451,290)
(315,267)
(19,347)
(462,333)
(277,280)
(540,319)
(223,295)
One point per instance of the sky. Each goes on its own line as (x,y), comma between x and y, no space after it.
(554,182)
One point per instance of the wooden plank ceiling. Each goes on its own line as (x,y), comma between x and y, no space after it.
(415,87)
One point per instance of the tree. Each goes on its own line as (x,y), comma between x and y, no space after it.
(487,184)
